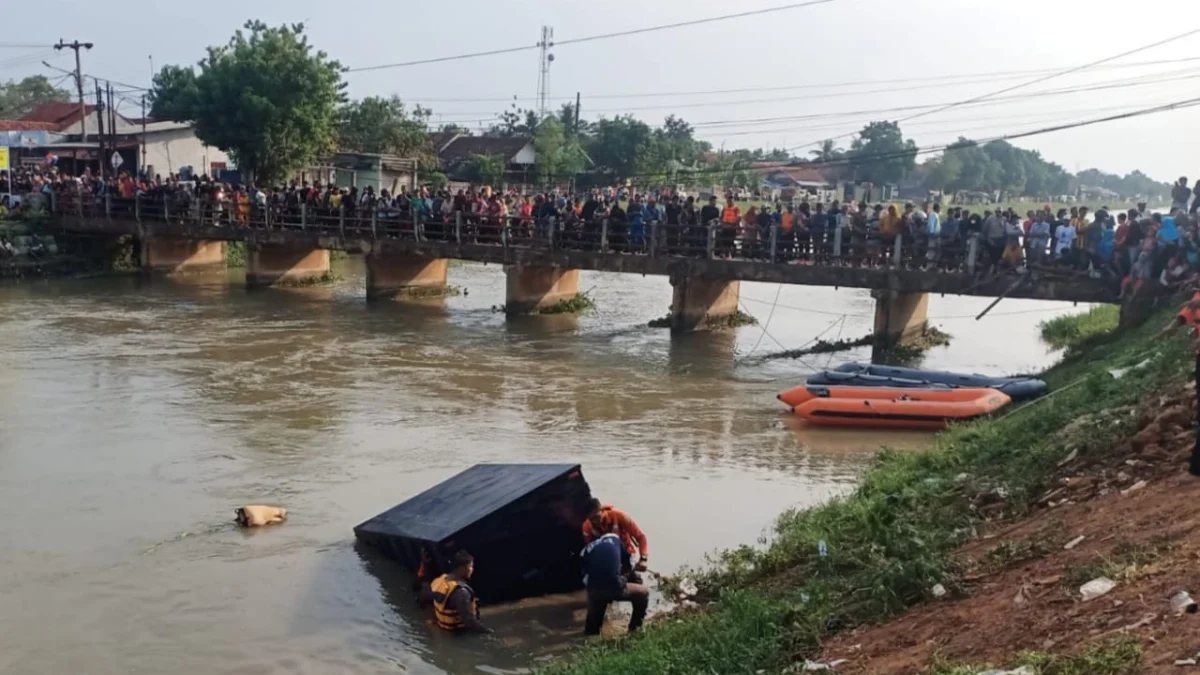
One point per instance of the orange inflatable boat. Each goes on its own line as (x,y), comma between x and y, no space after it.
(890,408)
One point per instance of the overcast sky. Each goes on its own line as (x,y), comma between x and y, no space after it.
(820,63)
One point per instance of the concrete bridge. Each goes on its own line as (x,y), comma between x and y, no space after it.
(542,262)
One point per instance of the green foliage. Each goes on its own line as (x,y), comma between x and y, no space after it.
(267,98)
(1130,186)
(1118,657)
(1072,330)
(558,155)
(485,169)
(235,253)
(435,179)
(618,146)
(828,152)
(575,305)
(995,166)
(19,98)
(880,153)
(380,125)
(891,540)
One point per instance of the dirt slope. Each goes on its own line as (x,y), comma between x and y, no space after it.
(1139,514)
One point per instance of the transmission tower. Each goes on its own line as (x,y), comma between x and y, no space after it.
(544,69)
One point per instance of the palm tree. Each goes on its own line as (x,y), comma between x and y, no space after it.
(828,152)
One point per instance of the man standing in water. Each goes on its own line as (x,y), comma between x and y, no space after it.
(1189,315)
(605,519)
(603,562)
(455,607)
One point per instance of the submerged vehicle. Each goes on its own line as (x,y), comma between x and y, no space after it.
(522,523)
(891,407)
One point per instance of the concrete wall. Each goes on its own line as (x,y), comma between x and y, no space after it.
(529,289)
(394,275)
(695,299)
(168,151)
(899,315)
(176,256)
(269,265)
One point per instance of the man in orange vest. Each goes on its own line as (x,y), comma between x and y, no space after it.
(605,519)
(1189,315)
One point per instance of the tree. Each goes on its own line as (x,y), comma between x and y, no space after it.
(267,98)
(880,154)
(18,99)
(515,122)
(828,152)
(558,156)
(619,147)
(485,169)
(384,126)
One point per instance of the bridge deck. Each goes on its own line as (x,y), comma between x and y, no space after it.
(543,246)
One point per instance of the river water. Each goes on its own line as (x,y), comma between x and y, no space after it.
(135,415)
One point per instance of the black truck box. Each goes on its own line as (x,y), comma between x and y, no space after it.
(521,522)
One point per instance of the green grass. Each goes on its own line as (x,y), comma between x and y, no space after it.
(894,537)
(1073,331)
(1117,657)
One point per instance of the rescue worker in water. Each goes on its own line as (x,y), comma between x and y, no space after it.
(1189,315)
(605,519)
(455,607)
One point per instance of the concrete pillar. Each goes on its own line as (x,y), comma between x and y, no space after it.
(529,289)
(394,275)
(899,316)
(178,256)
(270,265)
(696,299)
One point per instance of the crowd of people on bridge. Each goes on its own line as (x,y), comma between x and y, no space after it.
(1136,245)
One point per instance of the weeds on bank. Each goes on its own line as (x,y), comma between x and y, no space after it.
(1070,332)
(892,540)
(1118,657)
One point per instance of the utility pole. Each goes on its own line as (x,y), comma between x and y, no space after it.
(100,122)
(544,68)
(77,45)
(576,129)
(142,168)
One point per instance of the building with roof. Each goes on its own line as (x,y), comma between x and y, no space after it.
(455,150)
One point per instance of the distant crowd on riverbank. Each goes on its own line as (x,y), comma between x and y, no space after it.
(1136,245)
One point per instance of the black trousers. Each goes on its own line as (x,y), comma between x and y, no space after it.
(598,602)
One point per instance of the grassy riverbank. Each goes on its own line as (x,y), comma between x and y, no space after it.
(892,540)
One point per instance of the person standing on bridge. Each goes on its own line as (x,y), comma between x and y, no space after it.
(731,218)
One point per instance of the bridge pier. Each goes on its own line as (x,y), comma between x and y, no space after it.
(695,300)
(397,274)
(268,265)
(899,316)
(177,256)
(531,288)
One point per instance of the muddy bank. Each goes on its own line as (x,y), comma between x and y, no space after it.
(926,531)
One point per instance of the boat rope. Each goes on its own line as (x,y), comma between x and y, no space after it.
(778,290)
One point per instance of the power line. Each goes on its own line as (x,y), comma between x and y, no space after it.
(992,95)
(933,82)
(846,161)
(1051,76)
(591,38)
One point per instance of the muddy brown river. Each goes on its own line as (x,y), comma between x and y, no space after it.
(135,415)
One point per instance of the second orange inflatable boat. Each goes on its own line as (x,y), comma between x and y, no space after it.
(889,408)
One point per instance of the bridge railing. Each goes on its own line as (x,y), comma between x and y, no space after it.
(839,246)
